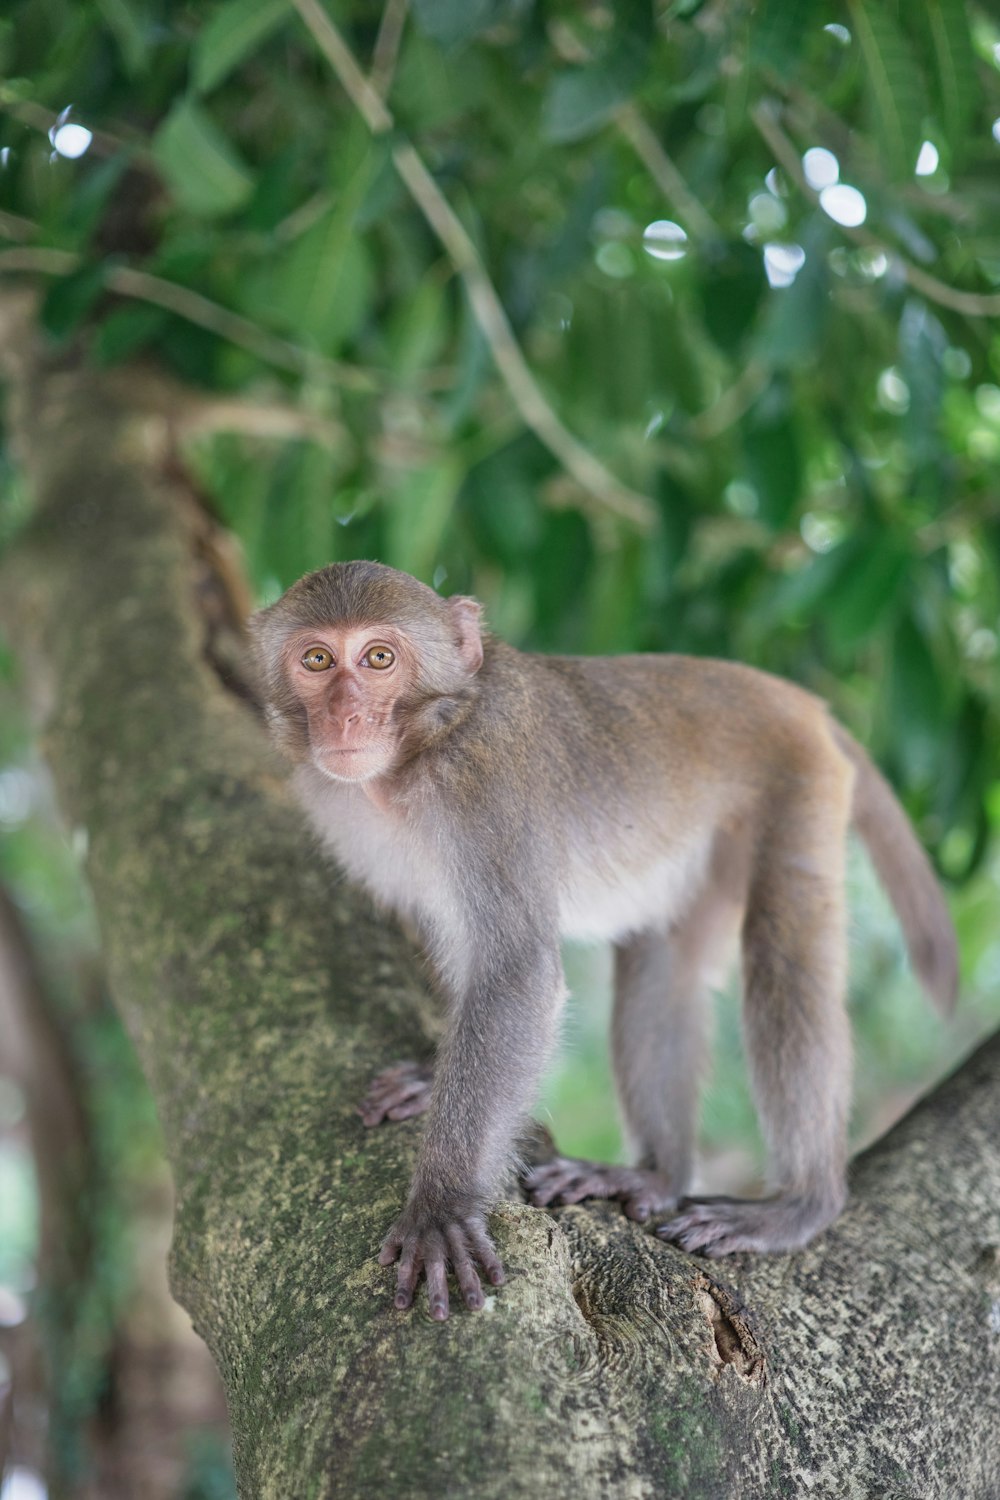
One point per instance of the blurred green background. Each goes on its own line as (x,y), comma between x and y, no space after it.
(742,399)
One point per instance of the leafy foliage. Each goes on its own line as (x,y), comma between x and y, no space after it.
(814,414)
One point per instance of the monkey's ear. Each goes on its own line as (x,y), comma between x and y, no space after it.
(465,619)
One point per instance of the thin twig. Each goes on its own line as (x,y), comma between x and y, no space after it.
(735,400)
(535,410)
(386,51)
(14,227)
(644,141)
(972,304)
(194,308)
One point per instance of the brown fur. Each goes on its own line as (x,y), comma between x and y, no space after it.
(665,803)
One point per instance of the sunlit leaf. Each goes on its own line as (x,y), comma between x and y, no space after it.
(894,85)
(321,288)
(418,512)
(946,24)
(203,169)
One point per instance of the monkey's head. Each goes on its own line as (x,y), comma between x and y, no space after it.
(361,665)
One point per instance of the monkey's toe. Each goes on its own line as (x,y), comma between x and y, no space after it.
(397,1093)
(568,1180)
(723,1226)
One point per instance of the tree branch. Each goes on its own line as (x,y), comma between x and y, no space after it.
(647,146)
(261,994)
(194,308)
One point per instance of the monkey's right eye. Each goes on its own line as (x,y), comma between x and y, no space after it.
(317,659)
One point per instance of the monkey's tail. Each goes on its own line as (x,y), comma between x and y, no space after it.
(906,873)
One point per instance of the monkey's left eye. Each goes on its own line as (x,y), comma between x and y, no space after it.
(380,657)
(317,659)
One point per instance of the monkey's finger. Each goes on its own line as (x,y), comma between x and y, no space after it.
(465,1272)
(407,1276)
(437,1286)
(482,1249)
(391,1246)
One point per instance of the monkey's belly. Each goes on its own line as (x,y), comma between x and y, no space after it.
(605,903)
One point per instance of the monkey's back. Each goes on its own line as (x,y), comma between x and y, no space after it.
(646,767)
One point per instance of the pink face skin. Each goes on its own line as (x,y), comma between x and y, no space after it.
(348,689)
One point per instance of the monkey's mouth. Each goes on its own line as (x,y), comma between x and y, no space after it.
(352,762)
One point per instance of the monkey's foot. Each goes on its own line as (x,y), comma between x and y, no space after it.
(566,1180)
(397,1093)
(431,1240)
(720,1226)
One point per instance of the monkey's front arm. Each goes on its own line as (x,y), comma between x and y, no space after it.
(501,1029)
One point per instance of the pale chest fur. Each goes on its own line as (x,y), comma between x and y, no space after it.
(394,854)
(389,853)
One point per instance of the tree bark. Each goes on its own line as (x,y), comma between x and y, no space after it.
(261,994)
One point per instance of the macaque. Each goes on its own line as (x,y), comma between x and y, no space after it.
(668,804)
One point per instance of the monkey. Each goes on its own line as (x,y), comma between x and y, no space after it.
(671,805)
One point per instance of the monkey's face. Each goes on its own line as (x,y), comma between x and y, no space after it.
(350,681)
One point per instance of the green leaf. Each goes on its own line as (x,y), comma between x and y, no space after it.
(129,25)
(894,84)
(419,512)
(70,299)
(867,591)
(204,172)
(235,30)
(731,290)
(795,598)
(917,700)
(124,332)
(581,100)
(452,21)
(322,287)
(778,30)
(774,467)
(419,329)
(922,345)
(946,24)
(794,320)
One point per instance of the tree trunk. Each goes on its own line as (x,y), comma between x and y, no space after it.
(261,995)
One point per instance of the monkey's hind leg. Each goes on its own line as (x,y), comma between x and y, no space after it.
(797,1037)
(658,1038)
(397,1093)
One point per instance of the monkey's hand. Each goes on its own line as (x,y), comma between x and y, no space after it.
(566,1180)
(397,1093)
(430,1239)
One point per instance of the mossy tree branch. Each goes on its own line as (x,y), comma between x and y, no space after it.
(261,994)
